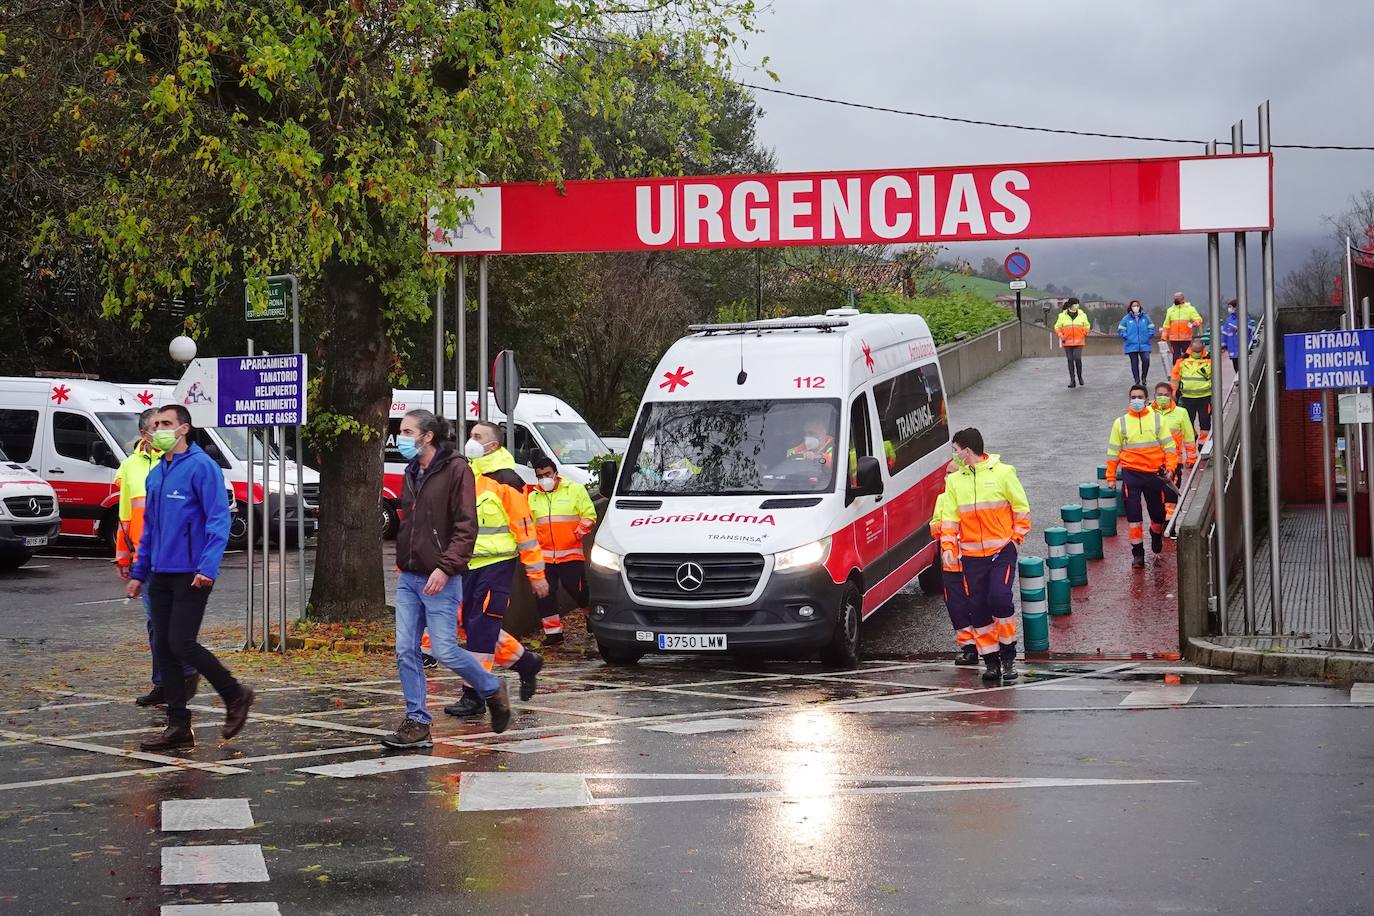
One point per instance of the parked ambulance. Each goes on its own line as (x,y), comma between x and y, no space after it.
(544,424)
(777,489)
(28,513)
(73,434)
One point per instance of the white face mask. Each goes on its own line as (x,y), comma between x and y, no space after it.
(548,484)
(812,443)
(474,449)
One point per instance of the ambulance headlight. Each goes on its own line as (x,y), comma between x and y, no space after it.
(603,559)
(806,556)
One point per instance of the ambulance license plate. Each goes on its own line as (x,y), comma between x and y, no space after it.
(36,542)
(692,642)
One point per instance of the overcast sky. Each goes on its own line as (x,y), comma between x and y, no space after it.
(1159,69)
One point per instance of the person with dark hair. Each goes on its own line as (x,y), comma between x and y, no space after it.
(1231,330)
(1180,426)
(433,549)
(505,540)
(984,516)
(185,531)
(132,482)
(1192,377)
(1072,326)
(1137,337)
(563,515)
(952,581)
(1142,446)
(1181,322)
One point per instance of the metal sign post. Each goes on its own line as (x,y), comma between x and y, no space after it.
(482,341)
(266,537)
(300,464)
(460,354)
(1369,476)
(249,511)
(1328,486)
(1271,408)
(1352,437)
(1218,459)
(1247,509)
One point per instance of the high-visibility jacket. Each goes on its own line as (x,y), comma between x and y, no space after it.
(949,558)
(1140,442)
(562,519)
(1192,375)
(1179,322)
(505,529)
(1180,426)
(132,481)
(985,507)
(826,449)
(1072,329)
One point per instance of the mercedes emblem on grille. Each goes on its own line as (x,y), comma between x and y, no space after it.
(690,576)
(35,509)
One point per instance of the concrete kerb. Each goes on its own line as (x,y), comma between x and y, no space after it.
(1319,665)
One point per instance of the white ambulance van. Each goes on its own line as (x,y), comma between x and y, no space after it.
(73,433)
(544,424)
(28,513)
(777,489)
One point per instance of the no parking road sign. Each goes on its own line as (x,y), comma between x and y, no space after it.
(1017,265)
(1328,359)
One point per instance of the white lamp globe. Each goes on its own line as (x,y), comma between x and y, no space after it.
(182,349)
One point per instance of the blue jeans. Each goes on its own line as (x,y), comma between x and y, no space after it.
(416,611)
(152,640)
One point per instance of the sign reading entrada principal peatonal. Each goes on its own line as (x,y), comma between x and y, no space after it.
(1328,359)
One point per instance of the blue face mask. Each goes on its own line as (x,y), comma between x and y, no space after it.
(407,447)
(1137,404)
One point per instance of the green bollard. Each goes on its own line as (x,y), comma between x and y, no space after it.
(1078,563)
(1060,595)
(1035,624)
(1106,503)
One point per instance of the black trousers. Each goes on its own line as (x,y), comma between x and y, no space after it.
(1074,355)
(1200,412)
(1178,349)
(178,610)
(1140,366)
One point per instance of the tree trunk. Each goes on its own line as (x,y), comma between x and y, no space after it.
(349,584)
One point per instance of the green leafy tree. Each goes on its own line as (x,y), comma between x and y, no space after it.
(208,143)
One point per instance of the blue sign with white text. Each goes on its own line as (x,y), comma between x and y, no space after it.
(266,390)
(1314,411)
(1328,359)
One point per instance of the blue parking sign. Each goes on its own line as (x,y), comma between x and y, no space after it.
(1314,411)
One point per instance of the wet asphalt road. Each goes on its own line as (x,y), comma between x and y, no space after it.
(697,785)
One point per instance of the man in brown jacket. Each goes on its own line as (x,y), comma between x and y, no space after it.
(433,548)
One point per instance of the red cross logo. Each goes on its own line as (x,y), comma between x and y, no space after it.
(145,398)
(61,393)
(675,380)
(472,408)
(868,355)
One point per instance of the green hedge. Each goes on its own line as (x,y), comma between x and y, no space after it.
(948,316)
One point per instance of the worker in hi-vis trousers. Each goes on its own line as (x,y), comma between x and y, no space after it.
(1176,420)
(563,515)
(952,587)
(1142,446)
(984,516)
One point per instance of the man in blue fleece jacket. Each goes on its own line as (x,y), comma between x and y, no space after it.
(185,530)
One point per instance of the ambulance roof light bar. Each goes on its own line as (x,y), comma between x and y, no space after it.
(773,324)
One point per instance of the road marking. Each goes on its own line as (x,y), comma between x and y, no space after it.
(89,777)
(29,709)
(703,727)
(320,752)
(356,768)
(513,791)
(551,743)
(919,703)
(215,768)
(1362,693)
(1166,695)
(516,791)
(221,909)
(206,814)
(213,864)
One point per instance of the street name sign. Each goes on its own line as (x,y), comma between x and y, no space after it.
(1328,359)
(1017,285)
(276,306)
(267,390)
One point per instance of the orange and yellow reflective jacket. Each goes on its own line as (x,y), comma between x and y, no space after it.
(984,508)
(1179,322)
(1140,442)
(1177,421)
(562,518)
(1192,375)
(1072,329)
(132,481)
(505,529)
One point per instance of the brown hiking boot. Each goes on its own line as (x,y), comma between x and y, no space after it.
(410,735)
(499,704)
(172,737)
(151,698)
(236,713)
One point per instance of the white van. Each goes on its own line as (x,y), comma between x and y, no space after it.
(73,433)
(777,489)
(28,513)
(229,446)
(544,424)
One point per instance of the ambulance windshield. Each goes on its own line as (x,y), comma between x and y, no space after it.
(732,448)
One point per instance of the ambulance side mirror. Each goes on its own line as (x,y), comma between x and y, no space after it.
(606,474)
(868,478)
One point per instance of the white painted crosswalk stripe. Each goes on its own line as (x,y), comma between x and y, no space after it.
(1362,693)
(221,909)
(703,727)
(1167,695)
(354,768)
(206,814)
(552,743)
(213,864)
